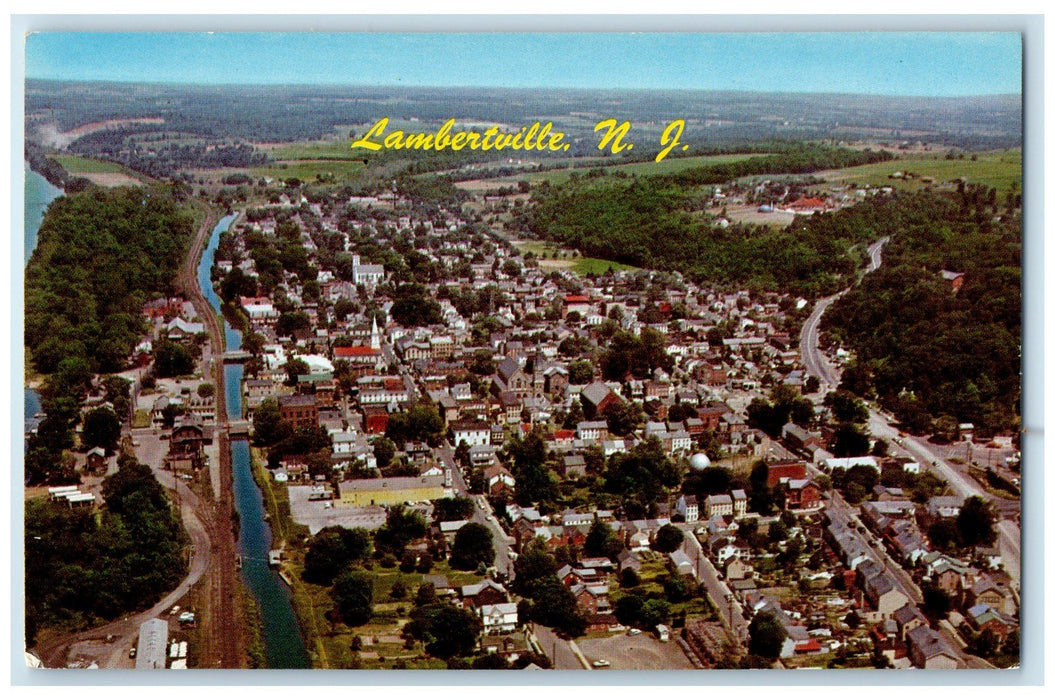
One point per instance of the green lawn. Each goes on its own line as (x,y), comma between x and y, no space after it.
(596,266)
(76,164)
(998,169)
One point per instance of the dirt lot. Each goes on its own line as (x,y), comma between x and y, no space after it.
(641,653)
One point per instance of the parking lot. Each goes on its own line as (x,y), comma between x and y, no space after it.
(640,653)
(319,514)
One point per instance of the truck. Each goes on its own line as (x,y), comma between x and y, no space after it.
(663,633)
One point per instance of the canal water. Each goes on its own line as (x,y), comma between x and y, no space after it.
(39,193)
(283,644)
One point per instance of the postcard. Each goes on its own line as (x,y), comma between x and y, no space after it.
(555,351)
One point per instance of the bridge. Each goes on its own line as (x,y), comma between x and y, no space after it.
(238,428)
(234,357)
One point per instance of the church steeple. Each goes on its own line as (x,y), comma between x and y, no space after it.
(375,336)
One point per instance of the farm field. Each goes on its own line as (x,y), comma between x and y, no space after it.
(1001,170)
(79,165)
(555,177)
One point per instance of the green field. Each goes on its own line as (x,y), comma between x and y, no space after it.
(1001,170)
(567,259)
(317,150)
(663,167)
(76,164)
(309,171)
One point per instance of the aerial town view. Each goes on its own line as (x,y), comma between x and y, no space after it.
(330,365)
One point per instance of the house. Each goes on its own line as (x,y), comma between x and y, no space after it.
(996,596)
(739,503)
(927,649)
(689,508)
(718,504)
(95,461)
(510,376)
(802,494)
(574,466)
(627,559)
(781,472)
(486,592)
(471,432)
(879,589)
(592,431)
(498,617)
(596,397)
(300,411)
(682,563)
(981,617)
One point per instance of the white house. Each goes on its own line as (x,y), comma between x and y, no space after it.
(500,617)
(471,432)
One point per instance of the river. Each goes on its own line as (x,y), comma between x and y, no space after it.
(39,193)
(283,643)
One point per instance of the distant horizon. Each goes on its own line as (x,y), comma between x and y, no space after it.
(889,64)
(172,83)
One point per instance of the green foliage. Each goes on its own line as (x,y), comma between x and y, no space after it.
(923,348)
(101,254)
(976,522)
(601,541)
(473,546)
(643,472)
(446,630)
(353,596)
(456,508)
(400,528)
(766,636)
(172,359)
(649,222)
(414,306)
(534,481)
(849,440)
(268,426)
(422,423)
(668,539)
(639,356)
(331,550)
(82,568)
(101,429)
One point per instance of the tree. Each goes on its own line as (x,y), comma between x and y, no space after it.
(668,539)
(400,528)
(654,611)
(172,359)
(206,390)
(384,451)
(976,522)
(456,508)
(353,596)
(331,550)
(936,603)
(295,367)
(628,610)
(601,541)
(580,372)
(446,630)
(268,426)
(473,546)
(101,429)
(766,636)
(623,417)
(849,441)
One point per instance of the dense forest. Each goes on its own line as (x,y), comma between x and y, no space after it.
(101,254)
(932,353)
(82,568)
(655,222)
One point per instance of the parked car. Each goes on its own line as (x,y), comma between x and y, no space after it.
(601,663)
(633,632)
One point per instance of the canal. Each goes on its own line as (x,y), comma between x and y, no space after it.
(283,644)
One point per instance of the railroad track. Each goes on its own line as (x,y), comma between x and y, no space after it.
(223,639)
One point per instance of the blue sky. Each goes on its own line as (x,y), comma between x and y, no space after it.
(888,63)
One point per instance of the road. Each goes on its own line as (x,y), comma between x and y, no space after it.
(1009,535)
(809,343)
(729,609)
(123,634)
(482,512)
